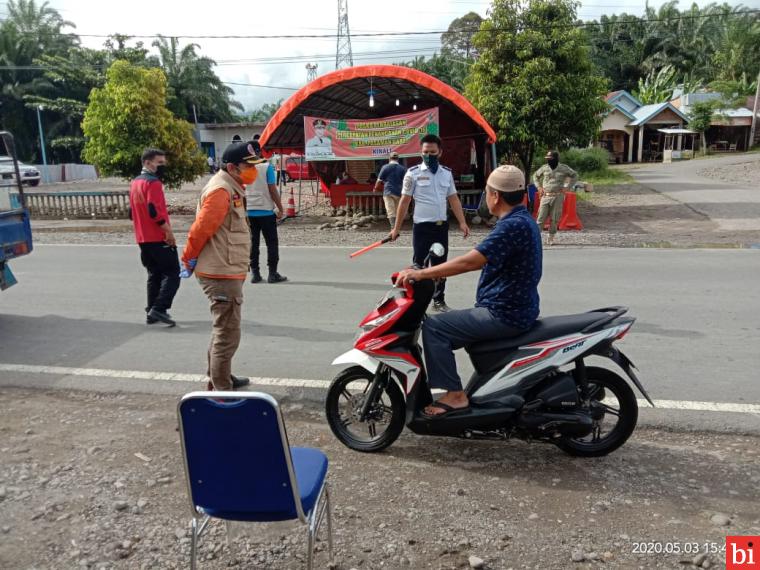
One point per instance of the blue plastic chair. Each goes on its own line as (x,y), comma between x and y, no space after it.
(474,210)
(240,467)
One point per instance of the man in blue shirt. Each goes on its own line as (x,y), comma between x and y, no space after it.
(390,179)
(507,298)
(261,199)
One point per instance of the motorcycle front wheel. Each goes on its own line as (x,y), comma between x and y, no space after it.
(345,399)
(614,404)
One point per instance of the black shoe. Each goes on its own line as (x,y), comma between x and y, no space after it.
(160,316)
(150,320)
(276,278)
(256,276)
(239,381)
(441,307)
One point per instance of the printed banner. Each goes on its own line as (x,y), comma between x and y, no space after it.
(350,139)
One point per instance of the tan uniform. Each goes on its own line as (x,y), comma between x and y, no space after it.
(553,182)
(221,268)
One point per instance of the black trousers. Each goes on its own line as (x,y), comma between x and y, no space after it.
(266,225)
(162,263)
(424,235)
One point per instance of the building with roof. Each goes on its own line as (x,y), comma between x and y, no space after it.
(213,138)
(631,131)
(374,91)
(730,128)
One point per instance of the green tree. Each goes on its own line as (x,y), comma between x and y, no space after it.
(735,91)
(194,88)
(29,31)
(117,49)
(715,41)
(128,114)
(701,114)
(445,67)
(457,40)
(737,47)
(264,113)
(62,93)
(534,80)
(657,87)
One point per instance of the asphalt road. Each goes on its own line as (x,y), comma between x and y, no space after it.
(696,338)
(733,207)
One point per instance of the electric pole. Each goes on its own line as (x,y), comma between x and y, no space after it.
(344,57)
(755,109)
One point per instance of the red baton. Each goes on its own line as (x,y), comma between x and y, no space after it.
(369,247)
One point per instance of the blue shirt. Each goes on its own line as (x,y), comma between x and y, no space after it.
(271,179)
(392,175)
(508,285)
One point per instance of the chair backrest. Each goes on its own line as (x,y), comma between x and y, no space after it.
(237,456)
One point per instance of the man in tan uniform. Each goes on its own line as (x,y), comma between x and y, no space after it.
(551,180)
(218,250)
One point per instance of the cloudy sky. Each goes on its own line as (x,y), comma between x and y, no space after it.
(281,63)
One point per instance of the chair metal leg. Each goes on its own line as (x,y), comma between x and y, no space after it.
(329,525)
(193,542)
(310,546)
(197,531)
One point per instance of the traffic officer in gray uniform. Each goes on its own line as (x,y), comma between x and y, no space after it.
(552,179)
(432,186)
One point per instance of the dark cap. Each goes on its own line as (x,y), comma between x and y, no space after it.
(552,154)
(241,152)
(319,123)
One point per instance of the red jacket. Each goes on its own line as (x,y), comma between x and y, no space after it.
(148,208)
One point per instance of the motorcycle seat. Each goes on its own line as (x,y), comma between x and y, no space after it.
(544,329)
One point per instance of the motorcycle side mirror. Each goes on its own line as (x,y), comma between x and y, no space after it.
(437,250)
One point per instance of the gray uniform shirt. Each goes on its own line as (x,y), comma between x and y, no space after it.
(430,192)
(552,181)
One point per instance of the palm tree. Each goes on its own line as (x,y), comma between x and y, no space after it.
(29,31)
(195,90)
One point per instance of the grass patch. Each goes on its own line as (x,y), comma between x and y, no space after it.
(606,177)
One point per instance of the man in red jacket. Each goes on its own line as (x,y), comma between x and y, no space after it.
(153,233)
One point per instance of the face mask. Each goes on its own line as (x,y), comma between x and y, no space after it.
(552,162)
(160,171)
(248,176)
(431,161)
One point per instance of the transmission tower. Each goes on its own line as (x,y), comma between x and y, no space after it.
(344,57)
(311,72)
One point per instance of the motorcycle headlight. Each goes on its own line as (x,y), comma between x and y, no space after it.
(374,323)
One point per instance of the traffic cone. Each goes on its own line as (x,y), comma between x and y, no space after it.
(290,211)
(570,219)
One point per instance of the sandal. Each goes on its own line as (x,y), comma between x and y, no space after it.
(447,410)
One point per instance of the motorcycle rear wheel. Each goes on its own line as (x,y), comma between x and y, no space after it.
(602,384)
(344,400)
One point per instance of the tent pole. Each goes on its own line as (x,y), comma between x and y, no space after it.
(493,156)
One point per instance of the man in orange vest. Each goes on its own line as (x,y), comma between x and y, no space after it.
(217,250)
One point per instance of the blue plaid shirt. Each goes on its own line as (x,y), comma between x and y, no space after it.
(508,285)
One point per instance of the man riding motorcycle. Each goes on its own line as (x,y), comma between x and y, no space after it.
(507,302)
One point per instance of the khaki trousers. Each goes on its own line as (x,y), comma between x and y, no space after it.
(551,206)
(226,299)
(391,207)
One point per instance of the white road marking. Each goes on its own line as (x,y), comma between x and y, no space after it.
(180,245)
(148,375)
(322,384)
(703,406)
